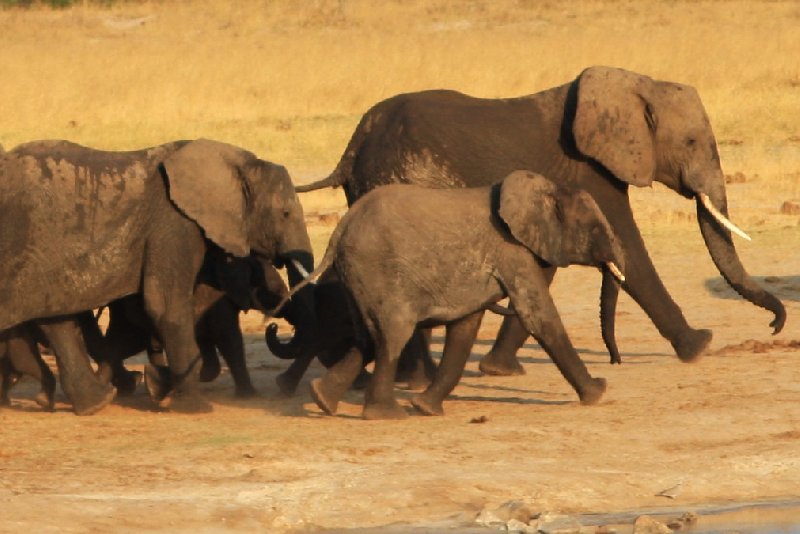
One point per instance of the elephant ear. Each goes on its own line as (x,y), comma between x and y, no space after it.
(529,207)
(614,123)
(206,183)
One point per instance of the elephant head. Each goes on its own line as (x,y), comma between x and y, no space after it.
(560,226)
(242,204)
(641,130)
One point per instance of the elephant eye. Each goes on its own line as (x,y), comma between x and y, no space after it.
(690,142)
(285,213)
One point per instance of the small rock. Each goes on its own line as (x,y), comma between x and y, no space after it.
(605,529)
(647,525)
(515,525)
(791,207)
(488,518)
(688,519)
(478,420)
(249,455)
(550,523)
(514,510)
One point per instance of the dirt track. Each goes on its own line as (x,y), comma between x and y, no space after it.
(727,429)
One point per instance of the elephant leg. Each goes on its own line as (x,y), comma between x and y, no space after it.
(231,345)
(644,285)
(389,337)
(502,360)
(25,358)
(173,315)
(329,390)
(528,289)
(459,339)
(8,375)
(121,341)
(416,367)
(289,379)
(86,391)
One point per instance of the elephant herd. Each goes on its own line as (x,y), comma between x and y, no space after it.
(466,201)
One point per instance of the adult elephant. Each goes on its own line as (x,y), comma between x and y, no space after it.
(603,132)
(83,227)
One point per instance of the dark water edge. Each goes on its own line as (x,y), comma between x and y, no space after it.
(768,517)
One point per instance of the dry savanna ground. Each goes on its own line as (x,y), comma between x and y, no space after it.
(289,80)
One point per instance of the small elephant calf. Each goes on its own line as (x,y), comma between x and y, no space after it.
(410,256)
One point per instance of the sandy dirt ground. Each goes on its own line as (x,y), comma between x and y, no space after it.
(725,429)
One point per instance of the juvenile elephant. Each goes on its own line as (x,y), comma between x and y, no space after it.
(603,132)
(410,256)
(83,227)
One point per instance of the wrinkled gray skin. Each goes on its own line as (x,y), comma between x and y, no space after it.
(603,132)
(410,256)
(83,227)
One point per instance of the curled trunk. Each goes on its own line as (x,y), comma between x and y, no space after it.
(301,345)
(723,253)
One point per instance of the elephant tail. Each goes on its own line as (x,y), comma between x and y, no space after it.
(500,310)
(343,172)
(335,179)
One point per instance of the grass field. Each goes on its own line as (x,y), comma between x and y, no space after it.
(290,80)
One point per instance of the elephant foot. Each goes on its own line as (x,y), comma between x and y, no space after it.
(158,381)
(93,399)
(690,347)
(287,383)
(384,410)
(45,400)
(323,398)
(593,393)
(426,406)
(246,392)
(496,365)
(210,370)
(126,382)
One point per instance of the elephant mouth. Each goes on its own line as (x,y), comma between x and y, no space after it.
(719,217)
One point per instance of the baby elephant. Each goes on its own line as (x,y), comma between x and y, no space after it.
(412,256)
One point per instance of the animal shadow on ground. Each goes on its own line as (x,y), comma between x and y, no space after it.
(783,287)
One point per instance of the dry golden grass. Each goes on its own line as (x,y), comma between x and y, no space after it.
(290,79)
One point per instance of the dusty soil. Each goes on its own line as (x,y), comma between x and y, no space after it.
(725,429)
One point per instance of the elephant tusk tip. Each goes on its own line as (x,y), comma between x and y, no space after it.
(616,271)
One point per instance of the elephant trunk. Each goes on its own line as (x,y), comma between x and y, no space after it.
(300,310)
(301,344)
(721,248)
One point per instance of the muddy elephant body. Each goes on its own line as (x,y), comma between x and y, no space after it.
(411,257)
(603,132)
(84,227)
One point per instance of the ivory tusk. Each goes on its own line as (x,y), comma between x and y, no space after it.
(724,221)
(615,271)
(300,268)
